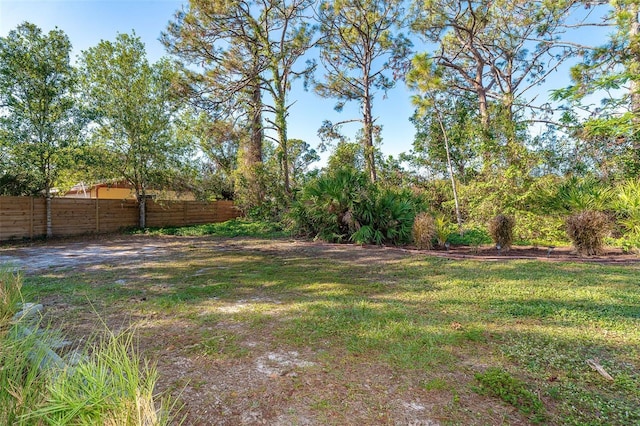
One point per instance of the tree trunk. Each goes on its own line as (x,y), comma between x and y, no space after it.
(483,107)
(281,125)
(249,188)
(450,167)
(369,149)
(254,150)
(142,209)
(633,167)
(634,47)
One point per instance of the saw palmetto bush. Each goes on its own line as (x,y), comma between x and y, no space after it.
(581,194)
(424,231)
(587,231)
(501,230)
(626,205)
(343,206)
(584,201)
(327,207)
(386,218)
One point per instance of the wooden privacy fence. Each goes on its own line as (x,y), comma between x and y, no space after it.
(25,217)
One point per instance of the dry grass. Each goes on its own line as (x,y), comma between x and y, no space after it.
(424,231)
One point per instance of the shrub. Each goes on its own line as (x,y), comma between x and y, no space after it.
(501,230)
(470,237)
(587,231)
(344,206)
(443,229)
(423,231)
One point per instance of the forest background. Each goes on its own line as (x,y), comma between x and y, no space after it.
(528,110)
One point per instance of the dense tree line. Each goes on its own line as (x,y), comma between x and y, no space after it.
(213,119)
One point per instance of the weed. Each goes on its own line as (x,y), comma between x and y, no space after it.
(221,345)
(499,383)
(436,384)
(109,384)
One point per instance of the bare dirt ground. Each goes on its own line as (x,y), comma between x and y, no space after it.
(275,385)
(130,249)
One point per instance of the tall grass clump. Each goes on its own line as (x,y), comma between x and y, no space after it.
(110,385)
(21,385)
(501,230)
(10,298)
(424,231)
(587,231)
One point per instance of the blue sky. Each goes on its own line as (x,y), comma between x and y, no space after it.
(86,22)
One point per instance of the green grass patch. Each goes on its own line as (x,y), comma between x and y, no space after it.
(498,383)
(231,228)
(423,318)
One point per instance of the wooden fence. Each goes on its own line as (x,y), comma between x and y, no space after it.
(25,217)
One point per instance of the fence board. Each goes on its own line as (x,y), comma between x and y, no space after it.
(25,217)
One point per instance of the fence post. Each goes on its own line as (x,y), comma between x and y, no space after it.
(97,215)
(31,211)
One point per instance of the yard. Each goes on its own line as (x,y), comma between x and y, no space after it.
(283,332)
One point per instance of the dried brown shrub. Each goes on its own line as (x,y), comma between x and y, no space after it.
(587,231)
(423,231)
(501,230)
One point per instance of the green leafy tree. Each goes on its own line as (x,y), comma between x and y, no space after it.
(219,141)
(361,53)
(39,123)
(459,117)
(133,110)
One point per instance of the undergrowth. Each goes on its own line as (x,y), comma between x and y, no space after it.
(109,384)
(228,229)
